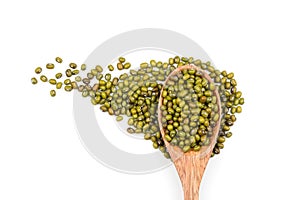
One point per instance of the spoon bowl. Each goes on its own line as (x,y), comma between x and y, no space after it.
(191,165)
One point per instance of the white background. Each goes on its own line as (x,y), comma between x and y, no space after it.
(41,156)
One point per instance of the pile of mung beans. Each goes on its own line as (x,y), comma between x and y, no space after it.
(188,117)
(189,110)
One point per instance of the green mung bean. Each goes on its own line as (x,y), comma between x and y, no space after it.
(58,75)
(83,67)
(68,88)
(44,78)
(52,81)
(73,65)
(68,73)
(111,68)
(58,60)
(58,85)
(52,93)
(50,66)
(34,81)
(38,70)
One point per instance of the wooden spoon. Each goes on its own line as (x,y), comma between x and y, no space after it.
(190,166)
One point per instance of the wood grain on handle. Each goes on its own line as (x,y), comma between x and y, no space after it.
(190,170)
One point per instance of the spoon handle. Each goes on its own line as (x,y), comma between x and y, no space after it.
(191,170)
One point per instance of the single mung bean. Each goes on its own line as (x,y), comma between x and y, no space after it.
(239,109)
(143,65)
(119,118)
(85,93)
(152,63)
(121,59)
(131,130)
(110,111)
(86,81)
(52,81)
(184,59)
(90,76)
(186,148)
(83,67)
(120,66)
(74,85)
(94,72)
(230,75)
(52,93)
(228,135)
(73,65)
(68,73)
(220,145)
(111,68)
(95,87)
(75,72)
(233,110)
(107,77)
(81,88)
(34,81)
(99,76)
(38,70)
(67,82)
(238,94)
(127,65)
(241,101)
(224,73)
(68,88)
(99,68)
(102,83)
(233,82)
(226,128)
(58,60)
(58,85)
(221,139)
(58,75)
(78,78)
(50,66)
(227,85)
(44,78)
